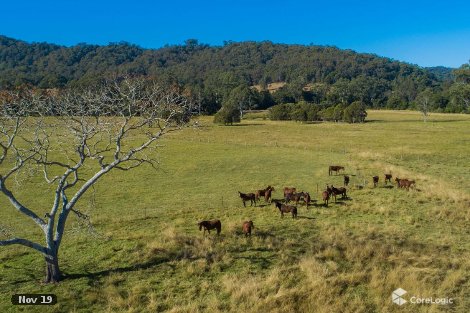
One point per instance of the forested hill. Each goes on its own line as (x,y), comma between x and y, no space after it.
(49,65)
(315,74)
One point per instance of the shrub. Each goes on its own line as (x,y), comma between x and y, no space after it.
(355,113)
(227,115)
(281,112)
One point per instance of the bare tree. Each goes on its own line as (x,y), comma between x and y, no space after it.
(424,103)
(114,127)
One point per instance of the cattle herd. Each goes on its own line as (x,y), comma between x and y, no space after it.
(292,196)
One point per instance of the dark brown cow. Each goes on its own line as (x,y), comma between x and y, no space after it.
(267,195)
(208,225)
(335,168)
(296,197)
(248,197)
(247,226)
(388,178)
(338,191)
(375,179)
(307,199)
(262,192)
(284,208)
(346,180)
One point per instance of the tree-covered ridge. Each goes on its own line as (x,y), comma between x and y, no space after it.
(315,74)
(250,62)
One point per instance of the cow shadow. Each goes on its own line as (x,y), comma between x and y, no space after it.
(263,205)
(263,234)
(306,217)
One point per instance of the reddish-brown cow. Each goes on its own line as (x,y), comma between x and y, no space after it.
(247,227)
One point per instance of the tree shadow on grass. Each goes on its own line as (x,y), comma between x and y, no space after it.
(136,267)
(247,124)
(264,263)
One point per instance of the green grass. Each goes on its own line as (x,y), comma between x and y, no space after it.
(150,256)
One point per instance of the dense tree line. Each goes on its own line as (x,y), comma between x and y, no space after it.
(209,75)
(304,111)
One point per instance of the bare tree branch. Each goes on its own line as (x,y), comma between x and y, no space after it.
(74,137)
(24,242)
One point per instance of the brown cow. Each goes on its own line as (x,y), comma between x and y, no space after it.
(267,195)
(405,183)
(335,168)
(284,208)
(248,197)
(375,179)
(262,192)
(338,191)
(411,183)
(296,197)
(400,182)
(288,190)
(346,180)
(208,225)
(388,178)
(247,226)
(325,196)
(307,199)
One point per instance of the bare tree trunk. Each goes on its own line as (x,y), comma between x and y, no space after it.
(88,117)
(53,274)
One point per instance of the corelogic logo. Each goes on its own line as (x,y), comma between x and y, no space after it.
(397,296)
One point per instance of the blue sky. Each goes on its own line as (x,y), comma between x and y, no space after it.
(427,33)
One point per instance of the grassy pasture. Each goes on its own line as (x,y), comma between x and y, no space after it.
(148,254)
